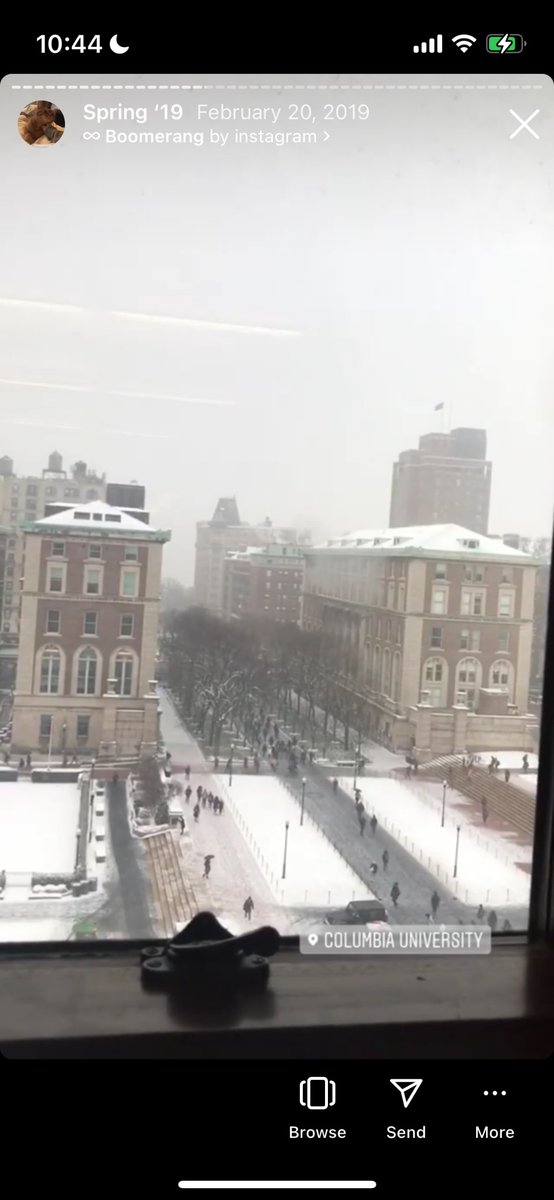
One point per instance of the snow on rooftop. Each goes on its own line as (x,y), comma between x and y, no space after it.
(38,827)
(441,539)
(96,514)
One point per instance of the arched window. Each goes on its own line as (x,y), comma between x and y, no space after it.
(123,673)
(502,675)
(386,672)
(87,672)
(396,671)
(50,665)
(435,681)
(468,679)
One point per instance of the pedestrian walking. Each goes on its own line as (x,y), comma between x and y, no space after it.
(6,756)
(204,798)
(219,807)
(373,824)
(385,858)
(167,757)
(335,785)
(484,809)
(207,865)
(373,868)
(362,821)
(248,907)
(22,764)
(357,796)
(196,811)
(199,792)
(507,775)
(435,901)
(395,894)
(490,767)
(182,824)
(480,913)
(507,926)
(188,793)
(525,762)
(28,762)
(492,920)
(187,773)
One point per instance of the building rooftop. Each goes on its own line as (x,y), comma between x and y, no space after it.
(96,517)
(425,539)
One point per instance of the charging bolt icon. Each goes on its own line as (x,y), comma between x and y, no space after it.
(505,43)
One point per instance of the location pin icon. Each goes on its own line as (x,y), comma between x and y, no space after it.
(313,939)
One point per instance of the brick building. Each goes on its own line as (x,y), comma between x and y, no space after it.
(447,479)
(438,614)
(226,532)
(264,582)
(89,624)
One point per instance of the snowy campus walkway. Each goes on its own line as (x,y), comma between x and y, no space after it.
(411,813)
(235,874)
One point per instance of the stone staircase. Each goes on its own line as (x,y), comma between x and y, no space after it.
(171,867)
(505,801)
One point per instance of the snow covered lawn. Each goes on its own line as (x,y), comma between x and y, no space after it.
(38,827)
(316,874)
(411,813)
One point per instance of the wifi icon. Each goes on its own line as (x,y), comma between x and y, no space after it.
(464,41)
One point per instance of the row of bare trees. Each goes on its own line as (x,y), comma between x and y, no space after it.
(225,672)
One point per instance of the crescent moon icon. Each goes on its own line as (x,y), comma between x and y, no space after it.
(114,45)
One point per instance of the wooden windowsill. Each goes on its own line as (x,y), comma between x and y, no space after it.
(93,1004)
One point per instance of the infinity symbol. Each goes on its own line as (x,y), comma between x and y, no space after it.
(90,136)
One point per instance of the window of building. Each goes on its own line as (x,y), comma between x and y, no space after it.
(390,593)
(130,554)
(468,680)
(479,574)
(507,575)
(87,669)
(53,620)
(113,517)
(95,550)
(468,573)
(126,625)
(93,578)
(475,640)
(90,624)
(50,662)
(464,639)
(439,601)
(58,550)
(83,723)
(124,674)
(129,583)
(434,682)
(473,602)
(45,726)
(505,603)
(32,489)
(71,493)
(386,682)
(440,570)
(436,637)
(502,676)
(504,639)
(56,579)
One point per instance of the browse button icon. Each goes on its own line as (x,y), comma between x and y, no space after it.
(407,1089)
(318,1092)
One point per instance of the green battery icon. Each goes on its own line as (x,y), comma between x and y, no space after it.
(504,43)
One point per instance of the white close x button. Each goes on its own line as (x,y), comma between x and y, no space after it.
(524,123)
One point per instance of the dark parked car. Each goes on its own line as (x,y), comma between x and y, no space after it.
(359,912)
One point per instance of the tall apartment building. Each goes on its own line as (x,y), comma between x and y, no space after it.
(24,498)
(446,480)
(89,623)
(439,614)
(264,582)
(226,532)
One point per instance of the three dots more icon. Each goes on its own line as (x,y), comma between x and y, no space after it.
(495,1093)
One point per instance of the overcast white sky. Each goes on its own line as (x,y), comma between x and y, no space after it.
(402,263)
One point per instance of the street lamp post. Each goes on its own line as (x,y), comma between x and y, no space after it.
(303,799)
(455,872)
(231,765)
(285,853)
(443,803)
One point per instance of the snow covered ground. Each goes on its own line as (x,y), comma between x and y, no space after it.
(38,827)
(23,930)
(411,812)
(316,874)
(510,758)
(527,782)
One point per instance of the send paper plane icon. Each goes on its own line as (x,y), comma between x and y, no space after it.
(407,1088)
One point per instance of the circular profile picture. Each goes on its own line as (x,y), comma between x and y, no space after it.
(41,123)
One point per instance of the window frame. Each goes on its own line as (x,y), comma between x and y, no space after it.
(100,572)
(62,568)
(52,632)
(135,572)
(87,632)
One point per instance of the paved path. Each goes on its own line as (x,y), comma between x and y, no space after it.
(336,816)
(234,872)
(132,886)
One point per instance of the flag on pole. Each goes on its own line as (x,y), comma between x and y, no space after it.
(438,406)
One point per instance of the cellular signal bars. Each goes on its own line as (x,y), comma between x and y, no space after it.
(433,46)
